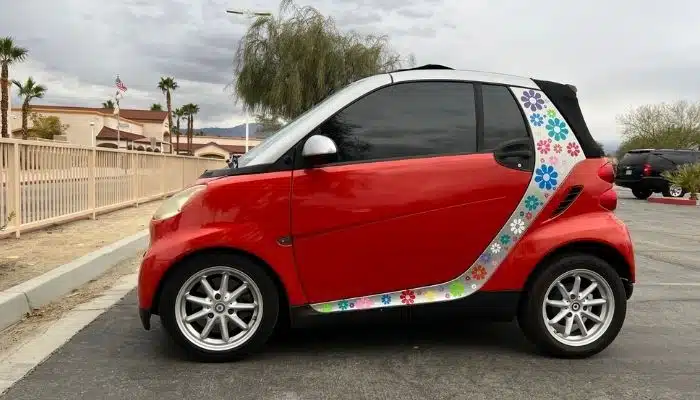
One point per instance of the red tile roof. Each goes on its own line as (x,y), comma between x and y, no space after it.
(107,133)
(128,113)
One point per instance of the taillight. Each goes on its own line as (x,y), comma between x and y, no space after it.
(608,200)
(607,173)
(647,169)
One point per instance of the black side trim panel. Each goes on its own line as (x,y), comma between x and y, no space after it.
(569,199)
(564,98)
(285,163)
(500,306)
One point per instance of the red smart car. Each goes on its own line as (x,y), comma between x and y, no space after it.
(421,190)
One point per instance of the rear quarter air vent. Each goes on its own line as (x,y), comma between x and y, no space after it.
(570,197)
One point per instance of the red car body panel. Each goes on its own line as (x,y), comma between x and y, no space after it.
(369,228)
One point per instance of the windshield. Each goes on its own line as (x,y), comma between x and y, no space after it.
(287,130)
(634,158)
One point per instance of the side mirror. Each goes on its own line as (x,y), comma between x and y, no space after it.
(319,147)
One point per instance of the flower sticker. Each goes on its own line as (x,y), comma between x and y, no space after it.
(573,149)
(505,239)
(430,295)
(456,289)
(557,148)
(532,202)
(546,177)
(479,272)
(557,129)
(528,215)
(386,299)
(553,160)
(407,296)
(328,307)
(543,146)
(495,248)
(343,305)
(517,226)
(485,258)
(537,119)
(532,100)
(551,113)
(364,302)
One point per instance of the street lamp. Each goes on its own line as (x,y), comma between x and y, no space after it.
(92,132)
(248,13)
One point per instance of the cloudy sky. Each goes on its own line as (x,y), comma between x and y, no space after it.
(619,54)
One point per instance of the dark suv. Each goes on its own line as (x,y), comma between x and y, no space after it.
(640,170)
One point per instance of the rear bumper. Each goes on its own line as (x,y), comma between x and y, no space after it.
(654,183)
(629,287)
(145,316)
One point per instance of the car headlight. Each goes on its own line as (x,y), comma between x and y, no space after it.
(173,205)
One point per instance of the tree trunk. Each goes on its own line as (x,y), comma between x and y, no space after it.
(189,134)
(25,115)
(5,101)
(177,137)
(170,120)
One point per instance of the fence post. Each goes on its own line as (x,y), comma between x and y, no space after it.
(15,189)
(163,174)
(182,173)
(92,185)
(136,163)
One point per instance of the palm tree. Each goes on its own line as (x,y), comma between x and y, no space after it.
(167,85)
(178,113)
(30,90)
(156,107)
(9,54)
(109,104)
(192,110)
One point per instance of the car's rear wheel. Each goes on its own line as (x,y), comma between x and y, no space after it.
(219,307)
(641,194)
(674,191)
(575,307)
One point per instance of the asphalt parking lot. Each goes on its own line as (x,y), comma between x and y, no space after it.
(656,356)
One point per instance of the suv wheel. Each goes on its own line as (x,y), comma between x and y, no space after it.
(674,191)
(575,307)
(641,194)
(219,307)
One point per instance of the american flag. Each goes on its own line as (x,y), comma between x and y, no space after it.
(120,85)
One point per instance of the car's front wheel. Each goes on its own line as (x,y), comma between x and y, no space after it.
(575,307)
(641,194)
(219,307)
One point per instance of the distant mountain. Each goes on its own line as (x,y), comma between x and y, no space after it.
(236,131)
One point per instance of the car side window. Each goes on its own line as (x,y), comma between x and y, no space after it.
(503,120)
(406,120)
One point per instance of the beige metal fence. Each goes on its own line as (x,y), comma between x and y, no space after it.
(47,183)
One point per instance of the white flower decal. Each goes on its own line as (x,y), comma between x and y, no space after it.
(517,226)
(495,248)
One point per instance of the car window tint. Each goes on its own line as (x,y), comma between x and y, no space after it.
(503,120)
(406,120)
(634,158)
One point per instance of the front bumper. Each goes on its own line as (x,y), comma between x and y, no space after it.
(629,287)
(145,316)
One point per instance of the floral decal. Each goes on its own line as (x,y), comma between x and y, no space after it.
(557,151)
(537,119)
(557,129)
(546,177)
(573,149)
(407,296)
(532,100)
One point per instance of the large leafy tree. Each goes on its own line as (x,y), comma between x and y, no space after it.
(109,104)
(167,85)
(675,125)
(156,107)
(47,127)
(286,64)
(9,54)
(29,91)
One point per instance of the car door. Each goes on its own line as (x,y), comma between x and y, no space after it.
(410,200)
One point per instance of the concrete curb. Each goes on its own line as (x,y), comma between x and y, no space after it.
(18,300)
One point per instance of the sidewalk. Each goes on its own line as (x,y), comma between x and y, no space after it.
(38,252)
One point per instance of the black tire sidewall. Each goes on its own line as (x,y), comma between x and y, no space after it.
(193,265)
(534,325)
(641,194)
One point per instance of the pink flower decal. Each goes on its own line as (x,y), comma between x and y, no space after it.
(528,215)
(573,149)
(543,146)
(407,296)
(364,302)
(557,148)
(553,160)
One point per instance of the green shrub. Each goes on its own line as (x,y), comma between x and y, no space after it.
(686,176)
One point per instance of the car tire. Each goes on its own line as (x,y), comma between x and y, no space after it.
(674,191)
(221,307)
(641,194)
(532,311)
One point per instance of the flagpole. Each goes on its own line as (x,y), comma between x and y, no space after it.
(118,123)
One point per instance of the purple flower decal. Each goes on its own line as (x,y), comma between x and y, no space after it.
(532,100)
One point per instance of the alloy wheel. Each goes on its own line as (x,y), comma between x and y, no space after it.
(675,191)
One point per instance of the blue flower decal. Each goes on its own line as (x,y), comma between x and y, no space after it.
(557,129)
(537,119)
(505,239)
(343,305)
(485,258)
(532,202)
(532,100)
(386,299)
(546,177)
